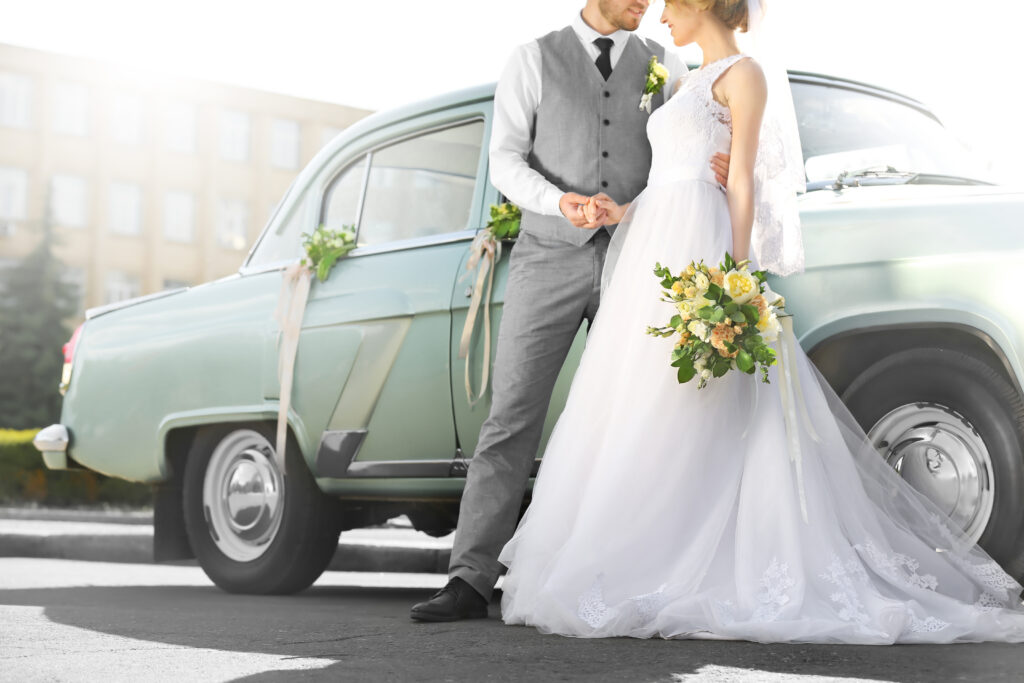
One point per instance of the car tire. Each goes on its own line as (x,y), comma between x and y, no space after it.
(254,530)
(923,402)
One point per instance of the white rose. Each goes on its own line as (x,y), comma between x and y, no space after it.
(699,329)
(741,286)
(705,374)
(771,330)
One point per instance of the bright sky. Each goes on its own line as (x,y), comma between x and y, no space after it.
(960,58)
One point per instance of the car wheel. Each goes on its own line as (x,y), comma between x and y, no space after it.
(951,426)
(253,529)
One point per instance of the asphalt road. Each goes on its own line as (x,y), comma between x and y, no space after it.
(62,620)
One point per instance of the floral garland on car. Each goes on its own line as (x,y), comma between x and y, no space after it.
(323,248)
(485,252)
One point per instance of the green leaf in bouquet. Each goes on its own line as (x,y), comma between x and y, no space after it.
(745,362)
(720,367)
(730,309)
(679,353)
(705,312)
(668,282)
(676,321)
(718,315)
(729,263)
(714,292)
(751,313)
(760,275)
(686,373)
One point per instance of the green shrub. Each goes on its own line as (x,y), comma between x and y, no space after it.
(25,479)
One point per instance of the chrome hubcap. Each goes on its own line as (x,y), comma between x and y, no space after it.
(938,452)
(243,495)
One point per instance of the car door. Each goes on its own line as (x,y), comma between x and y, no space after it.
(372,363)
(470,414)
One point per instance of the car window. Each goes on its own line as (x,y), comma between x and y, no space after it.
(341,201)
(421,186)
(849,130)
(283,242)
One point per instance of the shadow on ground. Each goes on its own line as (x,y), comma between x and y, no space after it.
(368,634)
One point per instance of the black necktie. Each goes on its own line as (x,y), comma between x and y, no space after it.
(604,60)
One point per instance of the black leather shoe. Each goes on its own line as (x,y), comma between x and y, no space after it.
(457,600)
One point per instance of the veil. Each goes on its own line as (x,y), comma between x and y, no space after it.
(776,243)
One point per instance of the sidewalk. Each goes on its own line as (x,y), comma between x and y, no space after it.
(128,537)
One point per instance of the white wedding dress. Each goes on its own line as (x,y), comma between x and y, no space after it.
(664,511)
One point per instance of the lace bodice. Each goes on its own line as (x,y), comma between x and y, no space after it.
(692,126)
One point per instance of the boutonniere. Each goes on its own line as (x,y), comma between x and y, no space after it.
(657,76)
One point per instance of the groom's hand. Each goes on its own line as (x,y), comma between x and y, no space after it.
(720,166)
(572,206)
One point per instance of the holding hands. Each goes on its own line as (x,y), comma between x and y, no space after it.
(590,213)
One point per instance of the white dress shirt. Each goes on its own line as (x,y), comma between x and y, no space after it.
(515,103)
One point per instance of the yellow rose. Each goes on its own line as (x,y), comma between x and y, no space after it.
(677,287)
(660,71)
(741,286)
(769,327)
(701,281)
(690,292)
(690,270)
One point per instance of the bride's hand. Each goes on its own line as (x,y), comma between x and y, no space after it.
(594,215)
(614,211)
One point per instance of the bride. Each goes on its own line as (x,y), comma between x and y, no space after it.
(671,512)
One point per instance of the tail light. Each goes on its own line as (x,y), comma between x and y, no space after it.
(69,359)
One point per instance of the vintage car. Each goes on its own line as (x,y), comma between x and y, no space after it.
(908,306)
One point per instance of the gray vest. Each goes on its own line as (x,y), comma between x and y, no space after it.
(590,135)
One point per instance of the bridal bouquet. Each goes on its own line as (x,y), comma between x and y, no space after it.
(724,320)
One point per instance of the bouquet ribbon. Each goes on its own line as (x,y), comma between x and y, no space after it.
(793,402)
(483,252)
(291,305)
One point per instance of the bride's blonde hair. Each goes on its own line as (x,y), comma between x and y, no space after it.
(732,13)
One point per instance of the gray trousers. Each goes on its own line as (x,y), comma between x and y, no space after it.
(553,286)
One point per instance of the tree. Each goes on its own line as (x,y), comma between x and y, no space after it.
(35,302)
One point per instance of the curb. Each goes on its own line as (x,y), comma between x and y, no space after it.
(138,549)
(97,536)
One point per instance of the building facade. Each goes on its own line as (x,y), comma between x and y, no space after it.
(150,182)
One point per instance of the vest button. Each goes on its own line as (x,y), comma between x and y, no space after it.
(604,183)
(607,94)
(604,154)
(607,122)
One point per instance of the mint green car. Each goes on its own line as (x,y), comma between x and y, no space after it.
(908,306)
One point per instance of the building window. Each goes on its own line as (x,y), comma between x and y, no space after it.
(15,99)
(121,286)
(74,278)
(179,217)
(284,144)
(71,109)
(69,201)
(231,226)
(170,283)
(13,194)
(125,208)
(234,135)
(180,127)
(126,119)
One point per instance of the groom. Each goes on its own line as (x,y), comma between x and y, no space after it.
(567,126)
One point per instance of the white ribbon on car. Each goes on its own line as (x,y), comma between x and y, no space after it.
(792,395)
(483,252)
(291,305)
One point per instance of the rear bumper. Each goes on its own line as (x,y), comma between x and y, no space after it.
(52,443)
